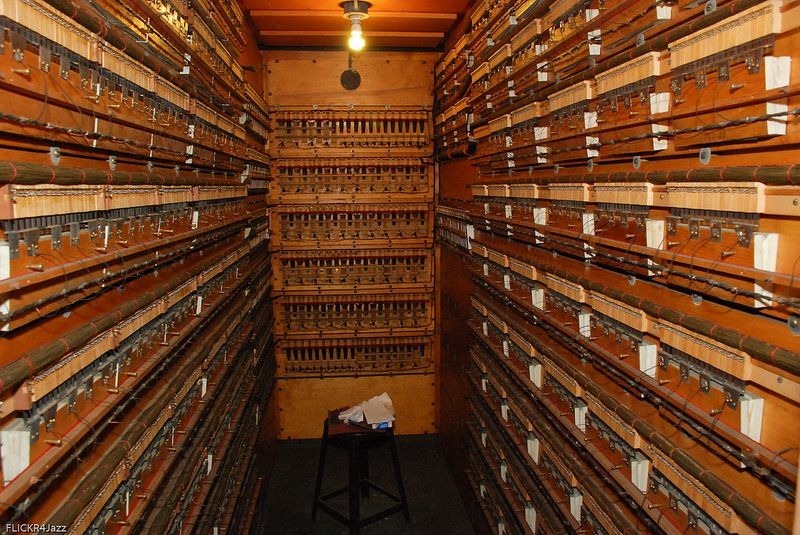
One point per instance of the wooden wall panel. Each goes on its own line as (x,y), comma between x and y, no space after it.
(303,404)
(296,78)
(352,195)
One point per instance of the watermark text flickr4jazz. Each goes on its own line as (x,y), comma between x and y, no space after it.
(34,528)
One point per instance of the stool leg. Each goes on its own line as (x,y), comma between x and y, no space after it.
(363,470)
(355,486)
(399,477)
(320,469)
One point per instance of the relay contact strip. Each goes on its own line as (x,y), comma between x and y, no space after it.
(620,178)
(133,263)
(352,219)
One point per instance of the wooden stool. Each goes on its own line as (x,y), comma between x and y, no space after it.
(357,440)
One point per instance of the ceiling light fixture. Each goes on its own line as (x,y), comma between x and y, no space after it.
(355,11)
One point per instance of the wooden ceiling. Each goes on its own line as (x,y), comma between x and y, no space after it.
(392,24)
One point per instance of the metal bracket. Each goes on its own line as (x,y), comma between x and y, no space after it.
(18,45)
(55,237)
(675,85)
(31,238)
(55,155)
(731,397)
(105,374)
(694,228)
(13,244)
(33,427)
(85,75)
(700,78)
(102,85)
(64,64)
(93,225)
(684,368)
(753,61)
(716,231)
(705,383)
(45,58)
(72,400)
(672,225)
(50,418)
(744,234)
(724,71)
(74,233)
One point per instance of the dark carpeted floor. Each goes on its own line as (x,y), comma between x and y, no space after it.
(433,500)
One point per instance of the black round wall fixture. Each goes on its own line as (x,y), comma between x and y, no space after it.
(350,79)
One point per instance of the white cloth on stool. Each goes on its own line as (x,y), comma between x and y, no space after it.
(376,410)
